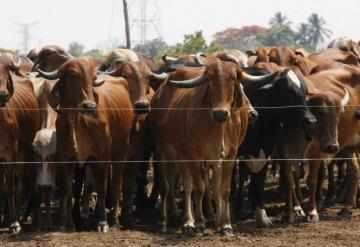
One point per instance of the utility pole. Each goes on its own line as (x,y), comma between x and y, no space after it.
(127,25)
(26,36)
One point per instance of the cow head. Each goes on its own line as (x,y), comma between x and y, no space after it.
(75,87)
(287,93)
(225,91)
(49,58)
(138,76)
(44,146)
(8,64)
(327,108)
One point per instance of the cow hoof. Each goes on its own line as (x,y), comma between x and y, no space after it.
(162,229)
(300,212)
(262,220)
(188,230)
(199,229)
(102,227)
(313,218)
(345,212)
(227,232)
(288,218)
(15,228)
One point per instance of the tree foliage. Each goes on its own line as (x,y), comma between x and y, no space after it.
(152,48)
(76,49)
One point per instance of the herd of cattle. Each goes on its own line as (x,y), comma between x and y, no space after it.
(70,127)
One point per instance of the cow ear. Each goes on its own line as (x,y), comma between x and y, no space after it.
(54,97)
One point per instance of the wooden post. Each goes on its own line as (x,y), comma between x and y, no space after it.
(127,25)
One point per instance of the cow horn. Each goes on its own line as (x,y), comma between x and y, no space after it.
(167,59)
(257,79)
(66,56)
(189,83)
(229,58)
(16,64)
(53,75)
(198,57)
(98,83)
(118,60)
(346,98)
(160,77)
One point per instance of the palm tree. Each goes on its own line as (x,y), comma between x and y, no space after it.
(317,32)
(279,19)
(303,34)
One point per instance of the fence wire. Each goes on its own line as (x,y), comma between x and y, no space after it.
(184,161)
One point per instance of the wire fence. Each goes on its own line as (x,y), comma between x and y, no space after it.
(299,160)
(180,108)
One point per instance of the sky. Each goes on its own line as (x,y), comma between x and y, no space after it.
(99,23)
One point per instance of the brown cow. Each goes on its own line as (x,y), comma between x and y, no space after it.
(213,114)
(18,125)
(49,58)
(86,112)
(337,80)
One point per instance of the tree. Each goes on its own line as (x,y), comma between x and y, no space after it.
(192,44)
(94,53)
(152,48)
(76,49)
(244,38)
(278,35)
(279,19)
(317,31)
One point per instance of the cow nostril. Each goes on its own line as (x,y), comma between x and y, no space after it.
(142,107)
(220,115)
(332,149)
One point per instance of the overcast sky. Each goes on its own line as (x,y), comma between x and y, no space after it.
(94,22)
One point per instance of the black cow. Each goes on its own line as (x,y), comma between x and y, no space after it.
(286,89)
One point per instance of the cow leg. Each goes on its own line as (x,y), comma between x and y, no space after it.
(154,195)
(9,191)
(240,198)
(216,183)
(88,189)
(163,190)
(187,179)
(77,188)
(297,178)
(350,201)
(36,221)
(66,219)
(116,186)
(130,186)
(209,210)
(289,186)
(331,192)
(172,208)
(258,180)
(102,172)
(319,190)
(225,222)
(314,166)
(199,189)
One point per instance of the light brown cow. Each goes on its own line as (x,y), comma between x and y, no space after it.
(213,114)
(19,121)
(86,113)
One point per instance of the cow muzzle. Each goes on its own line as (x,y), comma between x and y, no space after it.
(4,98)
(89,108)
(332,149)
(141,107)
(220,115)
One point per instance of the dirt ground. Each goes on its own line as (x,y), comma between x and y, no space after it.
(331,231)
